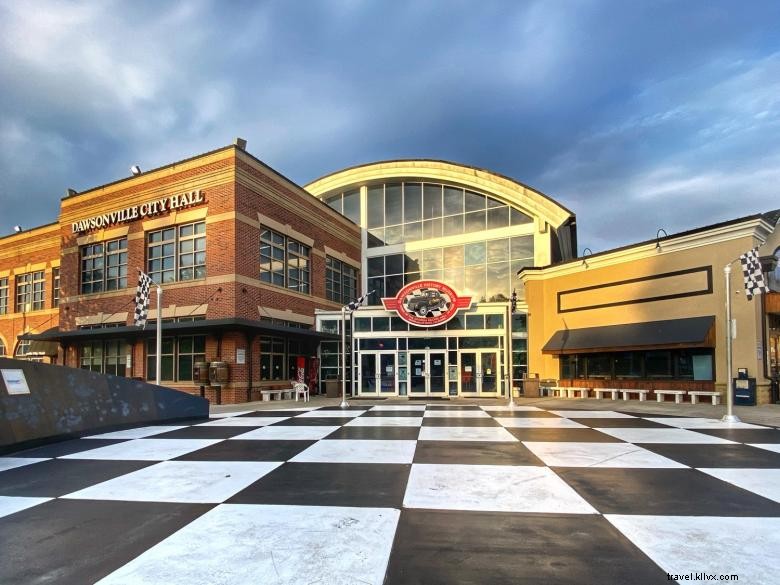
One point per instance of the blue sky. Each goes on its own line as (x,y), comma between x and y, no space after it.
(635,115)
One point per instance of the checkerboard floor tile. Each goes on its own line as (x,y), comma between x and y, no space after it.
(397,493)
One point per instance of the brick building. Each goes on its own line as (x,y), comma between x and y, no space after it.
(240,252)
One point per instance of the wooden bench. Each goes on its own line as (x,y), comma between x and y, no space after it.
(628,391)
(694,394)
(600,391)
(678,395)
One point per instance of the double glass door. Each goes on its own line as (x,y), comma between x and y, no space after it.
(377,373)
(479,372)
(428,371)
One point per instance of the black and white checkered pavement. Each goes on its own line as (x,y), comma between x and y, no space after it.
(398,494)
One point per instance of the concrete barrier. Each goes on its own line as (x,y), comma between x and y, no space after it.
(67,402)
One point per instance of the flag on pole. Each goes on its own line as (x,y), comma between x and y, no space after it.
(142,299)
(751,271)
(514,301)
(358,302)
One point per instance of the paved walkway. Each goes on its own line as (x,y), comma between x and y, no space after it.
(559,491)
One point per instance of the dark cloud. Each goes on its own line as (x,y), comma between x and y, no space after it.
(636,115)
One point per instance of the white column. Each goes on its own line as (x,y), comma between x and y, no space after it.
(158,358)
(729,416)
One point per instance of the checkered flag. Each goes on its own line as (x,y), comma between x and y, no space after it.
(142,299)
(751,271)
(358,302)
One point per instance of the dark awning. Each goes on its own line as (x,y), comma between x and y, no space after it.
(691,332)
(203,327)
(47,348)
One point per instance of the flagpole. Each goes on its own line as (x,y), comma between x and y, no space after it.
(729,417)
(158,356)
(344,403)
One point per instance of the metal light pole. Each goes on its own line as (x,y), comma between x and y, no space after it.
(729,417)
(344,403)
(158,357)
(508,353)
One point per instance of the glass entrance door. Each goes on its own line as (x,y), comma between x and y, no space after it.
(377,373)
(429,373)
(479,373)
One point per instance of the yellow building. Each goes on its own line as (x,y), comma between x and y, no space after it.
(652,315)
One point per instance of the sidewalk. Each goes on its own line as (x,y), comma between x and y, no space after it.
(767,414)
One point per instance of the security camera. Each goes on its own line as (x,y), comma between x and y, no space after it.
(17,228)
(135,169)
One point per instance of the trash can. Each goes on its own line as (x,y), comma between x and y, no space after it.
(332,388)
(744,391)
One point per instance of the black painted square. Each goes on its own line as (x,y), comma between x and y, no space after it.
(745,435)
(325,421)
(201,432)
(435,547)
(82,541)
(66,447)
(454,421)
(740,456)
(248,450)
(474,453)
(563,434)
(329,484)
(624,423)
(58,477)
(379,433)
(664,492)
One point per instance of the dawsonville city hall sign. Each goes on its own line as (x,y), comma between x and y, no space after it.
(147,209)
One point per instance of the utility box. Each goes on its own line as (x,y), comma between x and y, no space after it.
(744,391)
(332,388)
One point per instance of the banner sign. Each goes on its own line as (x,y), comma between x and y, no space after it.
(147,209)
(426,303)
(15,381)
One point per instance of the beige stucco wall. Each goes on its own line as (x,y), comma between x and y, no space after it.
(713,250)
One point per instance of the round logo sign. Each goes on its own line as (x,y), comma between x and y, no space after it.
(426,303)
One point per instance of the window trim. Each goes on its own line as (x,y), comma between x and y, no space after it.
(159,275)
(277,244)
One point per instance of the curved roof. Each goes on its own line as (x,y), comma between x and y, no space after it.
(502,188)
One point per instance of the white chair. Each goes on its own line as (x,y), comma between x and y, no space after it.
(302,390)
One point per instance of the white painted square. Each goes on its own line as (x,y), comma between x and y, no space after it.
(236,544)
(621,455)
(487,434)
(144,450)
(12,504)
(494,488)
(682,545)
(245,421)
(357,451)
(138,433)
(456,414)
(287,433)
(590,414)
(517,408)
(764,482)
(229,414)
(533,422)
(410,407)
(702,423)
(385,421)
(206,482)
(331,413)
(768,446)
(7,463)
(663,436)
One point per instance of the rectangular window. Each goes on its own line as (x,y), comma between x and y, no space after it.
(91,356)
(272,358)
(284,261)
(340,281)
(658,364)
(104,266)
(191,349)
(4,296)
(177,253)
(30,288)
(166,359)
(177,358)
(106,357)
(55,294)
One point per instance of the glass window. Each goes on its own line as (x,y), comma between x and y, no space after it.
(4,295)
(376,206)
(494,321)
(30,289)
(92,275)
(398,324)
(571,368)
(658,364)
(453,201)
(413,204)
(432,195)
(474,201)
(285,262)
(433,259)
(352,205)
(381,324)
(518,217)
(628,364)
(519,323)
(522,247)
(394,264)
(474,222)
(694,365)
(498,250)
(475,253)
(393,204)
(362,323)
(376,266)
(453,225)
(167,359)
(55,295)
(475,321)
(599,366)
(192,251)
(161,254)
(454,256)
(498,218)
(498,284)
(272,358)
(191,349)
(115,357)
(329,326)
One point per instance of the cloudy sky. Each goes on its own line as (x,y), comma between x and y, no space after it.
(635,115)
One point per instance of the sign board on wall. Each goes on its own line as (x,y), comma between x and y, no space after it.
(240,356)
(426,303)
(156,207)
(15,381)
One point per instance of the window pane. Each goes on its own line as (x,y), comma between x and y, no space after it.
(352,206)
(393,204)
(412,202)
(432,201)
(453,201)
(375,206)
